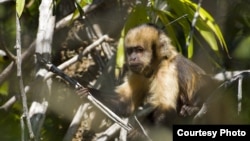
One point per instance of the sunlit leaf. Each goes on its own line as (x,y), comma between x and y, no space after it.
(19,7)
(210,23)
(190,48)
(137,16)
(171,33)
(205,21)
(79,11)
(242,51)
(120,56)
(4,88)
(208,36)
(88,1)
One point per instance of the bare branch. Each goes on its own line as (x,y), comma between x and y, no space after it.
(230,78)
(44,39)
(196,15)
(10,68)
(6,106)
(110,132)
(239,96)
(89,96)
(22,128)
(6,72)
(76,122)
(9,103)
(123,132)
(142,128)
(37,115)
(78,57)
(5,49)
(227,75)
(30,51)
(2,1)
(19,75)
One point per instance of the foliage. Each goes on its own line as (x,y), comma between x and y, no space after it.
(174,16)
(11,122)
(79,5)
(20,6)
(170,13)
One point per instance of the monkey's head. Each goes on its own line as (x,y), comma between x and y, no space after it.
(146,45)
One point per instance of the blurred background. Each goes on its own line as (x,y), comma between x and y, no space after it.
(217,40)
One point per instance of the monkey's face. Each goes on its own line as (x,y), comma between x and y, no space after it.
(140,45)
(137,58)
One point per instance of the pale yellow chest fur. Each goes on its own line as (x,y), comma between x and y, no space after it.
(135,88)
(163,86)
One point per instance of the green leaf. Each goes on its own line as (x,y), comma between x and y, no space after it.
(205,23)
(190,49)
(208,36)
(79,11)
(120,55)
(4,88)
(120,58)
(137,16)
(79,7)
(171,33)
(242,50)
(208,20)
(19,7)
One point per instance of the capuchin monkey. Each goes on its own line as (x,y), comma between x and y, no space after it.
(158,76)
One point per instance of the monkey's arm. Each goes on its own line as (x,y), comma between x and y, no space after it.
(207,87)
(111,99)
(195,86)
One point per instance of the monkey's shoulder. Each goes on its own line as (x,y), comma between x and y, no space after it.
(186,72)
(185,65)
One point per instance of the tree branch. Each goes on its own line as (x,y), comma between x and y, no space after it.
(19,75)
(74,125)
(79,57)
(230,78)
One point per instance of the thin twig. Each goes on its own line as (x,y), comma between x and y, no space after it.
(196,15)
(10,68)
(19,75)
(111,131)
(239,96)
(74,125)
(90,97)
(183,16)
(2,1)
(22,128)
(9,103)
(108,112)
(5,49)
(214,95)
(142,128)
(37,116)
(123,133)
(78,57)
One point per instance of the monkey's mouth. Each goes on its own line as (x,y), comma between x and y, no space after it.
(137,68)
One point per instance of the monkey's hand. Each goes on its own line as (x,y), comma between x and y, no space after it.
(82,92)
(187,110)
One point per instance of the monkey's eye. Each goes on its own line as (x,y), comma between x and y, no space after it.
(139,49)
(129,50)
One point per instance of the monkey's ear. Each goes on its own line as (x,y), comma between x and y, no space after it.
(166,49)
